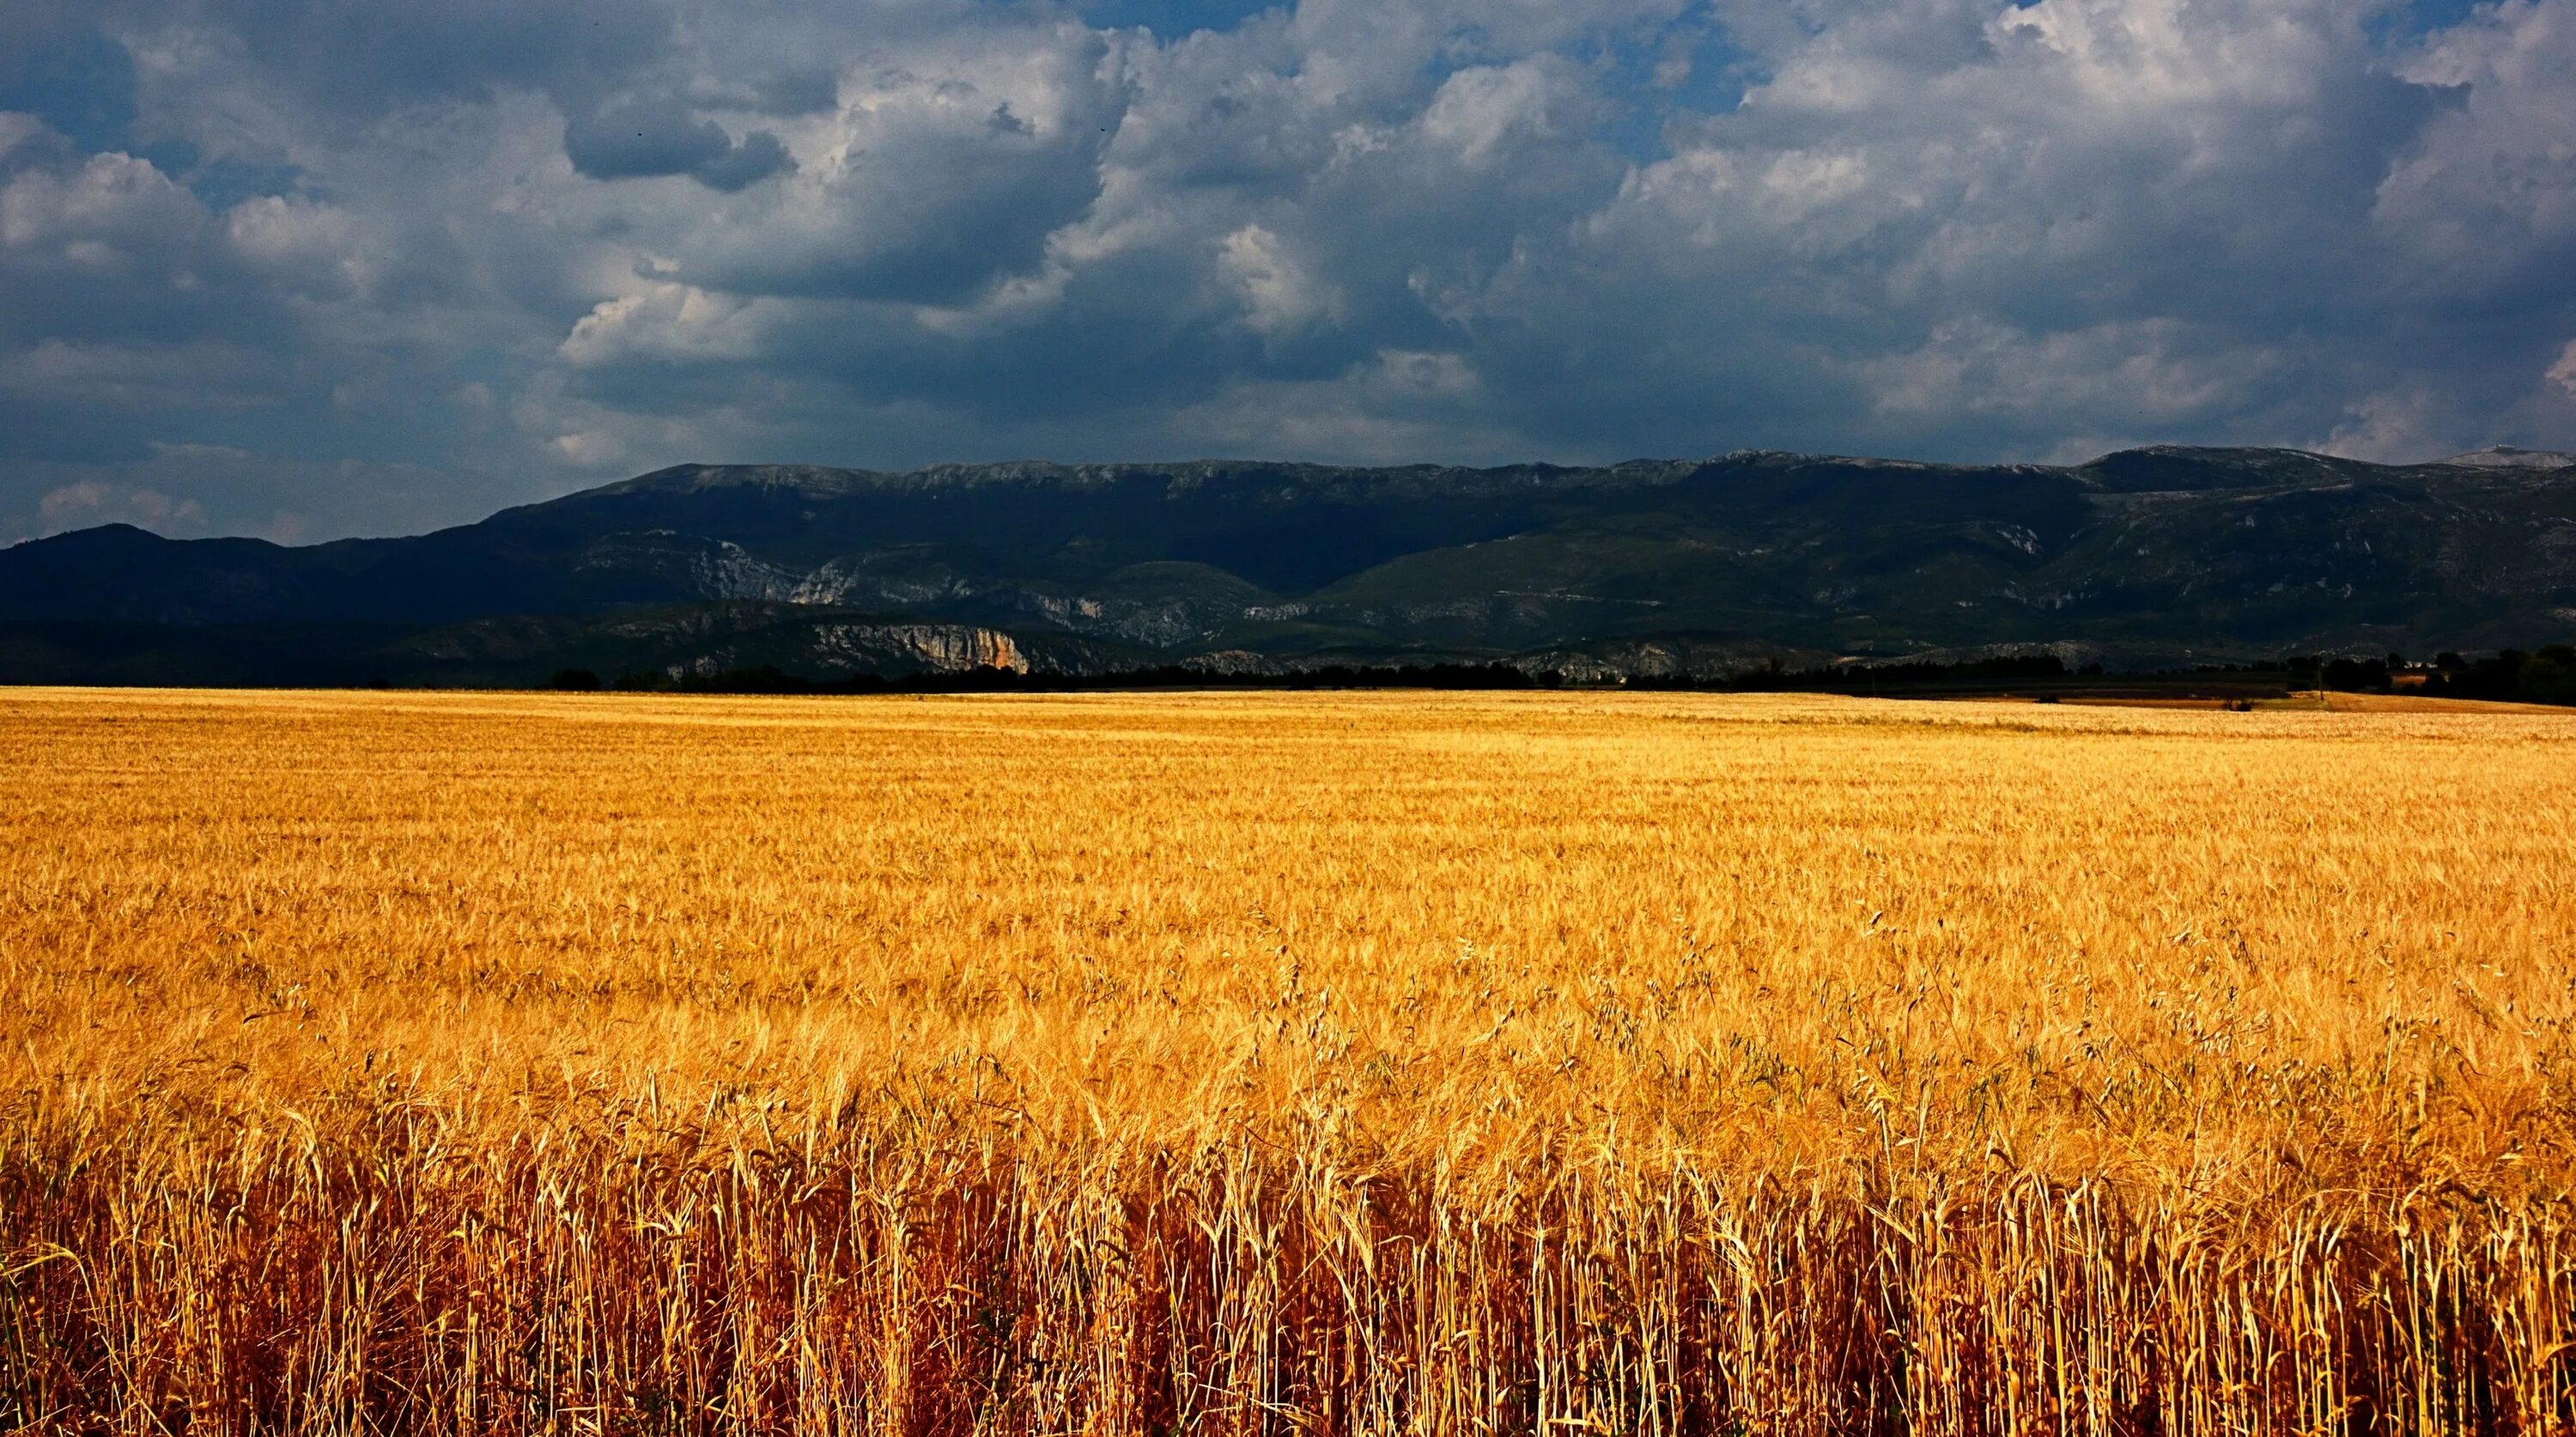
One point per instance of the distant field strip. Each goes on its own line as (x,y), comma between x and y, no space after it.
(1282,1064)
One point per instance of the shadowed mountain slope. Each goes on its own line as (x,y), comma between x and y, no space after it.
(2156,553)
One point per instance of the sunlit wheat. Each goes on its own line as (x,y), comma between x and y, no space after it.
(1285,1063)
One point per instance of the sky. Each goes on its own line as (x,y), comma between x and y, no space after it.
(309,268)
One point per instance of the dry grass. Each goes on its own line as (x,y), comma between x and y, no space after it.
(2315,701)
(1282,1063)
(2402,702)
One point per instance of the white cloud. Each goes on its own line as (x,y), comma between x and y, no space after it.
(1486,112)
(302,246)
(667,322)
(2485,198)
(114,209)
(944,167)
(2397,425)
(1279,293)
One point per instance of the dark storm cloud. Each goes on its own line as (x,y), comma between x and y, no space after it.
(748,161)
(309,267)
(637,139)
(645,138)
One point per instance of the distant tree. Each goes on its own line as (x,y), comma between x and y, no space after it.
(574,681)
(2549,676)
(2354,675)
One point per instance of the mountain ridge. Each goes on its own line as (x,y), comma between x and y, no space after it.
(2148,554)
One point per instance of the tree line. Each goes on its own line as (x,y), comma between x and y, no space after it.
(2546,676)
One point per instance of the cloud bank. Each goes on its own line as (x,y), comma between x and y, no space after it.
(304,268)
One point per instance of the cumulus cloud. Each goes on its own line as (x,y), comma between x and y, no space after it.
(2482,196)
(668,322)
(1279,292)
(944,167)
(1486,114)
(413,265)
(113,214)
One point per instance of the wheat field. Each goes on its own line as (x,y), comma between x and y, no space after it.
(1290,1063)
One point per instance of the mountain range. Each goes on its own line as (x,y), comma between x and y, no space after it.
(2143,557)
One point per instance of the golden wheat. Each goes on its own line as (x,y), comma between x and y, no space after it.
(1653,1064)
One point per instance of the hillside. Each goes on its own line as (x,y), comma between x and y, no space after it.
(2146,555)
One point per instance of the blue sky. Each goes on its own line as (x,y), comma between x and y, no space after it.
(302,268)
